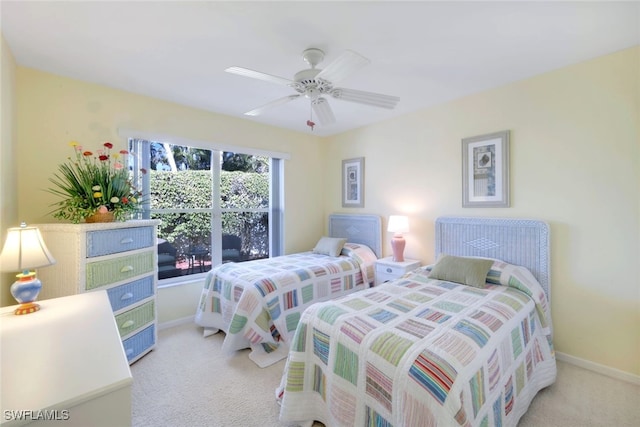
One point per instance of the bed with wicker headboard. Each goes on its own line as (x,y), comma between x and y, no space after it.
(464,341)
(258,303)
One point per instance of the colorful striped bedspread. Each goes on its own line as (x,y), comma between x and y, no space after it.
(422,352)
(259,303)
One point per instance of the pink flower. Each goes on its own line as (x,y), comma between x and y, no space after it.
(103,209)
(124,152)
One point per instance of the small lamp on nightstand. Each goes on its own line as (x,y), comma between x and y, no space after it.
(25,250)
(398,224)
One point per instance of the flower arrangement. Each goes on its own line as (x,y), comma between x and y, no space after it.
(95,184)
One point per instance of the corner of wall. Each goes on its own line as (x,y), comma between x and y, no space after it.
(8,173)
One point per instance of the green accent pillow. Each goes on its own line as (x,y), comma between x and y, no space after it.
(468,271)
(331,246)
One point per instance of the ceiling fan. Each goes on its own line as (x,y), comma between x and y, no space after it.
(314,84)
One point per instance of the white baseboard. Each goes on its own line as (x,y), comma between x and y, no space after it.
(176,322)
(601,369)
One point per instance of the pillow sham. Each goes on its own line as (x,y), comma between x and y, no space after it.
(331,246)
(468,271)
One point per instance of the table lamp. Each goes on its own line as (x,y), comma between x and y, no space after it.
(25,250)
(398,224)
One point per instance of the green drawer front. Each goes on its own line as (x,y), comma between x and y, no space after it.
(131,320)
(113,270)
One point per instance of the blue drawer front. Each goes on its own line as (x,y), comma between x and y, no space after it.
(130,293)
(106,242)
(140,342)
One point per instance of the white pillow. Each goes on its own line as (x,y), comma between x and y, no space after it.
(331,246)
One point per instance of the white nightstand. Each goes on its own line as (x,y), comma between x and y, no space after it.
(388,269)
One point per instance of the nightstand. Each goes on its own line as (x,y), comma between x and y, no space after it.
(387,269)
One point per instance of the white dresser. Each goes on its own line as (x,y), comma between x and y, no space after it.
(63,365)
(119,257)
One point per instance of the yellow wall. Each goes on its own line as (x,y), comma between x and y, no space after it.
(53,110)
(8,171)
(575,163)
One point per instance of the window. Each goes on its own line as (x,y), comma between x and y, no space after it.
(214,205)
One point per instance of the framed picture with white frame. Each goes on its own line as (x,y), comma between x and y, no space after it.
(485,171)
(353,183)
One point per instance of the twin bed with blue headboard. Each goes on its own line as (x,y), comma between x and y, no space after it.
(465,341)
(258,303)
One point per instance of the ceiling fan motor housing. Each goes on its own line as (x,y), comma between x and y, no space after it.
(307,84)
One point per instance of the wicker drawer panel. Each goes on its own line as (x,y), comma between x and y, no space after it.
(135,345)
(102,273)
(130,293)
(106,242)
(133,319)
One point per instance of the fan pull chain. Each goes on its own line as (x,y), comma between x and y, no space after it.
(310,122)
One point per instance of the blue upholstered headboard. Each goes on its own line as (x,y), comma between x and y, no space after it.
(522,242)
(363,229)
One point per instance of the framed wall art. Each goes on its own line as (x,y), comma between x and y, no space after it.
(353,183)
(485,170)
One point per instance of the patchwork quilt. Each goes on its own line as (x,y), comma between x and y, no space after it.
(258,303)
(422,352)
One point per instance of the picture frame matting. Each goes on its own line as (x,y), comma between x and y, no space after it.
(353,183)
(485,170)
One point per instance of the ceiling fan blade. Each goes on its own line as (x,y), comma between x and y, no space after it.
(342,67)
(368,98)
(259,75)
(260,110)
(323,111)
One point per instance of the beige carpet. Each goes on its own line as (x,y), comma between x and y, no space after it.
(187,381)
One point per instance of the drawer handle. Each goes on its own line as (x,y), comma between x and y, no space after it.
(128,324)
(126,240)
(389,270)
(126,269)
(126,296)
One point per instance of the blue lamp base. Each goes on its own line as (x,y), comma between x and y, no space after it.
(25,290)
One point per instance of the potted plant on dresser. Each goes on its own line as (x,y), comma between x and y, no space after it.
(95,187)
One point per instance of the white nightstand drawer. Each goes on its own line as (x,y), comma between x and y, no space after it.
(390,269)
(387,269)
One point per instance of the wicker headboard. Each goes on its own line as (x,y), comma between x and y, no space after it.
(363,229)
(522,242)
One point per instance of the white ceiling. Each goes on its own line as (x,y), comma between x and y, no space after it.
(426,53)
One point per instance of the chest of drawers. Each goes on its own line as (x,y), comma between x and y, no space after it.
(119,257)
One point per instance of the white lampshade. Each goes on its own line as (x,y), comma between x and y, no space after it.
(24,249)
(398,224)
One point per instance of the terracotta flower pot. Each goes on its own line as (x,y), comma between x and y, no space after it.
(101,217)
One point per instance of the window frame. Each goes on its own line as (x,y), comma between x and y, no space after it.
(275,209)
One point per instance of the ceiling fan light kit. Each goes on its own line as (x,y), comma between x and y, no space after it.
(313,83)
